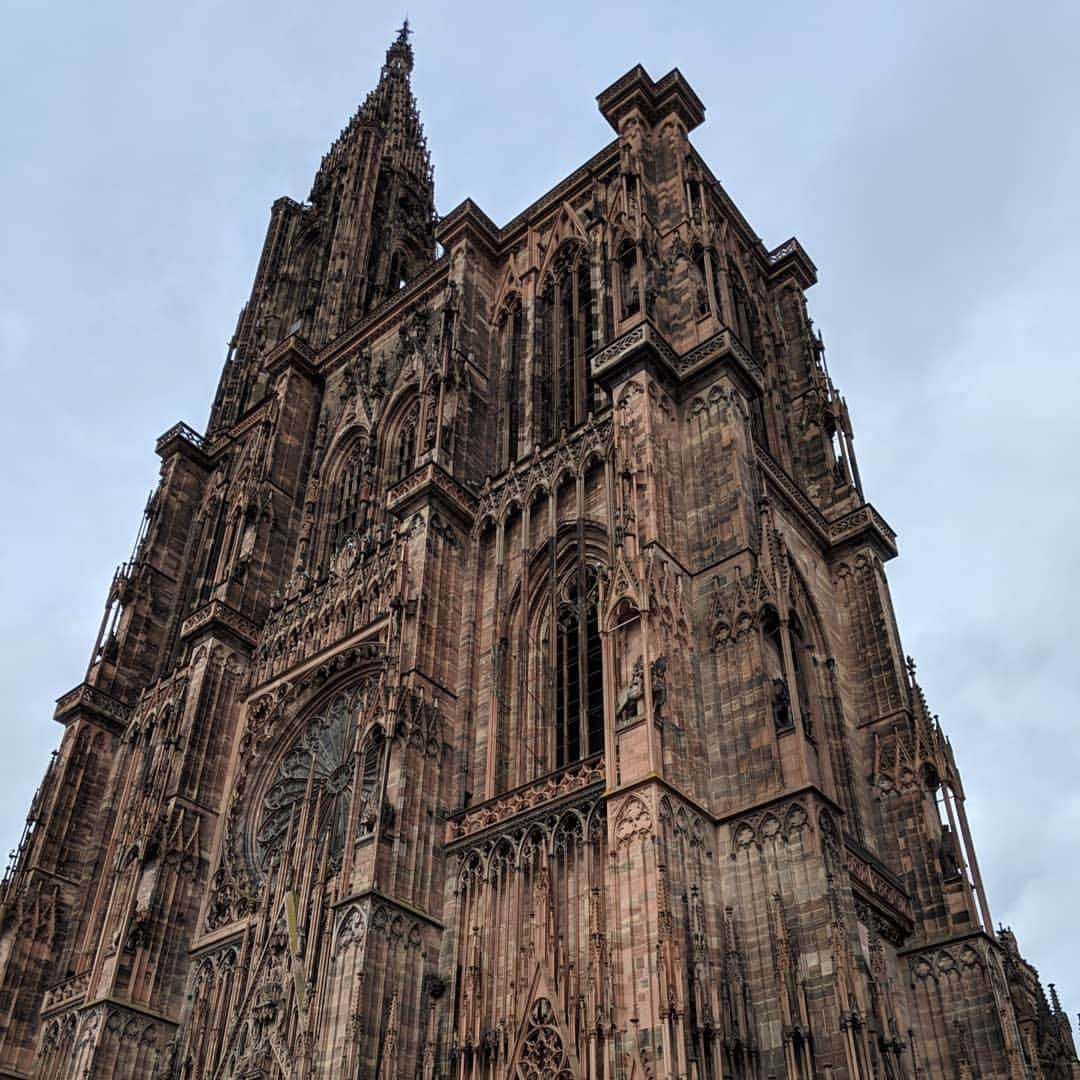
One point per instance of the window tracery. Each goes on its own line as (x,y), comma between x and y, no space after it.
(579,684)
(404,459)
(629,279)
(511,347)
(565,330)
(349,506)
(323,758)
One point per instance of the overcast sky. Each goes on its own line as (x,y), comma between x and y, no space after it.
(925,154)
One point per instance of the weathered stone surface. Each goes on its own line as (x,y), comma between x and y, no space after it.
(507,684)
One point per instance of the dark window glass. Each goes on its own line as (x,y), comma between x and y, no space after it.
(579,678)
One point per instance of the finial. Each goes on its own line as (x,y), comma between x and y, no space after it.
(400,55)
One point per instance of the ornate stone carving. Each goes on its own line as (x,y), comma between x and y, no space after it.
(542,1055)
(633,822)
(319,766)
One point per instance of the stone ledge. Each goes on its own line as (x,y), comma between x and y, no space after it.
(432,482)
(293,353)
(216,615)
(538,795)
(183,439)
(98,705)
(645,343)
(790,258)
(864,523)
(877,882)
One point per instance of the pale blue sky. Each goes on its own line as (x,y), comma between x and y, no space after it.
(924,153)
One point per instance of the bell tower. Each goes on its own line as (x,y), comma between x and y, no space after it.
(366,230)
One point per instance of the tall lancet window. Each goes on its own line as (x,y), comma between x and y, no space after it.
(629,279)
(404,448)
(512,340)
(349,502)
(564,339)
(579,680)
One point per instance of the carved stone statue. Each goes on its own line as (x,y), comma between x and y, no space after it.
(658,671)
(781,705)
(627,705)
(949,854)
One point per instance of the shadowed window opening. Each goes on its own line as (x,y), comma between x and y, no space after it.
(579,682)
(349,506)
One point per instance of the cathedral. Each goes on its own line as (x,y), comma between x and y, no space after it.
(506,685)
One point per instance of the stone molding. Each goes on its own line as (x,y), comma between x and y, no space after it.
(217,615)
(545,793)
(100,706)
(431,482)
(183,439)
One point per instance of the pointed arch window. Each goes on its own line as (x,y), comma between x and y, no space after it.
(404,456)
(370,781)
(744,316)
(785,682)
(693,197)
(565,322)
(579,680)
(399,274)
(701,280)
(629,279)
(775,669)
(512,347)
(349,506)
(798,663)
(717,284)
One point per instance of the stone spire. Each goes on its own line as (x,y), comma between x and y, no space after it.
(390,112)
(382,238)
(366,230)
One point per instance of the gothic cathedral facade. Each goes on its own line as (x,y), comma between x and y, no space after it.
(506,685)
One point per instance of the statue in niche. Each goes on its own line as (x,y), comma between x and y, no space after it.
(949,855)
(781,705)
(658,671)
(627,704)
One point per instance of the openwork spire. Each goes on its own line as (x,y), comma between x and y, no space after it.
(390,112)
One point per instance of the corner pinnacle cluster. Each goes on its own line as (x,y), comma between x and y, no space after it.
(507,684)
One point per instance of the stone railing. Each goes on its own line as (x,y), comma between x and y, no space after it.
(534,795)
(862,520)
(184,432)
(86,698)
(219,614)
(433,478)
(876,885)
(724,344)
(787,248)
(62,994)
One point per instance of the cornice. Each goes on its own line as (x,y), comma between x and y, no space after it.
(216,616)
(636,91)
(861,525)
(183,439)
(431,482)
(645,342)
(96,705)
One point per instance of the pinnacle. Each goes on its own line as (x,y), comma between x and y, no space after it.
(391,110)
(400,54)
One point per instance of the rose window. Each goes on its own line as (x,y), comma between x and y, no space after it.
(543,1056)
(323,758)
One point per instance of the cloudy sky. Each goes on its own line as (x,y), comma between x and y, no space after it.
(925,154)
